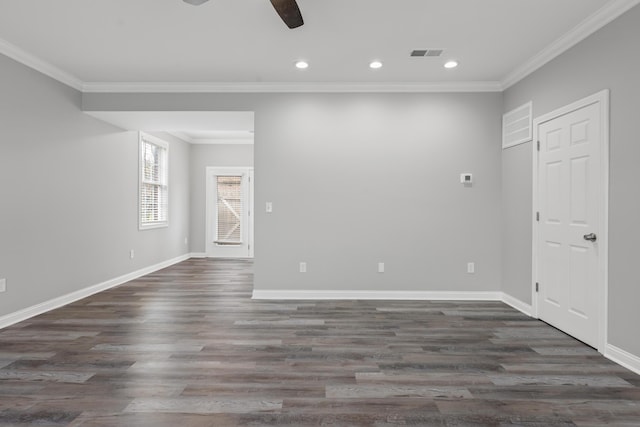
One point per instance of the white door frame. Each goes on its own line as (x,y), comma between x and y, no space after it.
(210,201)
(603,235)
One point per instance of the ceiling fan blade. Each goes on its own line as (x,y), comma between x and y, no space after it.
(289,12)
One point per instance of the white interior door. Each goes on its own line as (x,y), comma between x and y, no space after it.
(571,226)
(230,212)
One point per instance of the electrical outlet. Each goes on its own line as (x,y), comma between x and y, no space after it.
(3,285)
(381,267)
(471,267)
(269,207)
(186,241)
(303,267)
(132,254)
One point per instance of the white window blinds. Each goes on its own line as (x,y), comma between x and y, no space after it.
(154,182)
(229,227)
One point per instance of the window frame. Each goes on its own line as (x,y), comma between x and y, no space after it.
(145,138)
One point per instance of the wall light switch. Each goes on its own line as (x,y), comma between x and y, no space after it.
(3,285)
(303,267)
(471,267)
(381,267)
(269,207)
(132,254)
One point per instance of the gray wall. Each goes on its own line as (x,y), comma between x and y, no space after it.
(203,156)
(68,194)
(360,178)
(606,60)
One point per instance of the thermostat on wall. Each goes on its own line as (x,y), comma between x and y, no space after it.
(466,178)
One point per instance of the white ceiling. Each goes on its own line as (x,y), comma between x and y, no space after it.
(196,127)
(101,44)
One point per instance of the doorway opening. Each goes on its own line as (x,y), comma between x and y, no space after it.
(229,230)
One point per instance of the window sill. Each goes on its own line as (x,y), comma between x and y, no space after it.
(152,226)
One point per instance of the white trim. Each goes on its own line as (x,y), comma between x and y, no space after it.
(294,294)
(623,358)
(180,135)
(199,255)
(43,307)
(221,141)
(211,141)
(517,304)
(534,222)
(211,208)
(266,87)
(593,23)
(602,98)
(40,65)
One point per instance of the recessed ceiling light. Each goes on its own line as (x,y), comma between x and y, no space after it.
(302,65)
(375,65)
(451,64)
(195,2)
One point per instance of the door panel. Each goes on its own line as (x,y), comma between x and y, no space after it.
(569,193)
(578,301)
(579,207)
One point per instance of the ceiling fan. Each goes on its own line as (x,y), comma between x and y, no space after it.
(287,9)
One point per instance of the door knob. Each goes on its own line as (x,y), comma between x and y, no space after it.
(590,237)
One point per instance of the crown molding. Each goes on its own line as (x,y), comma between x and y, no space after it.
(593,23)
(285,87)
(222,141)
(210,141)
(181,135)
(602,17)
(44,67)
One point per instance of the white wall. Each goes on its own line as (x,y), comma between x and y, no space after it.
(606,60)
(201,157)
(68,194)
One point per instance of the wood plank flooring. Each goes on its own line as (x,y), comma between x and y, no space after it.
(187,346)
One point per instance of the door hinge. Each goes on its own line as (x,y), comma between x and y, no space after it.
(537,287)
(538,216)
(538,145)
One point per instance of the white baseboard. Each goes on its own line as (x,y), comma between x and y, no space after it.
(43,307)
(199,255)
(623,358)
(517,304)
(292,294)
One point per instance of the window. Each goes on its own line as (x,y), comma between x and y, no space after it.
(154,182)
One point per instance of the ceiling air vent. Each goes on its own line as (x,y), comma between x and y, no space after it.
(427,52)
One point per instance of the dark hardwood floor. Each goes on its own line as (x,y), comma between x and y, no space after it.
(187,346)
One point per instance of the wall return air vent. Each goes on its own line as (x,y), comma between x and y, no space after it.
(517,126)
(427,52)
